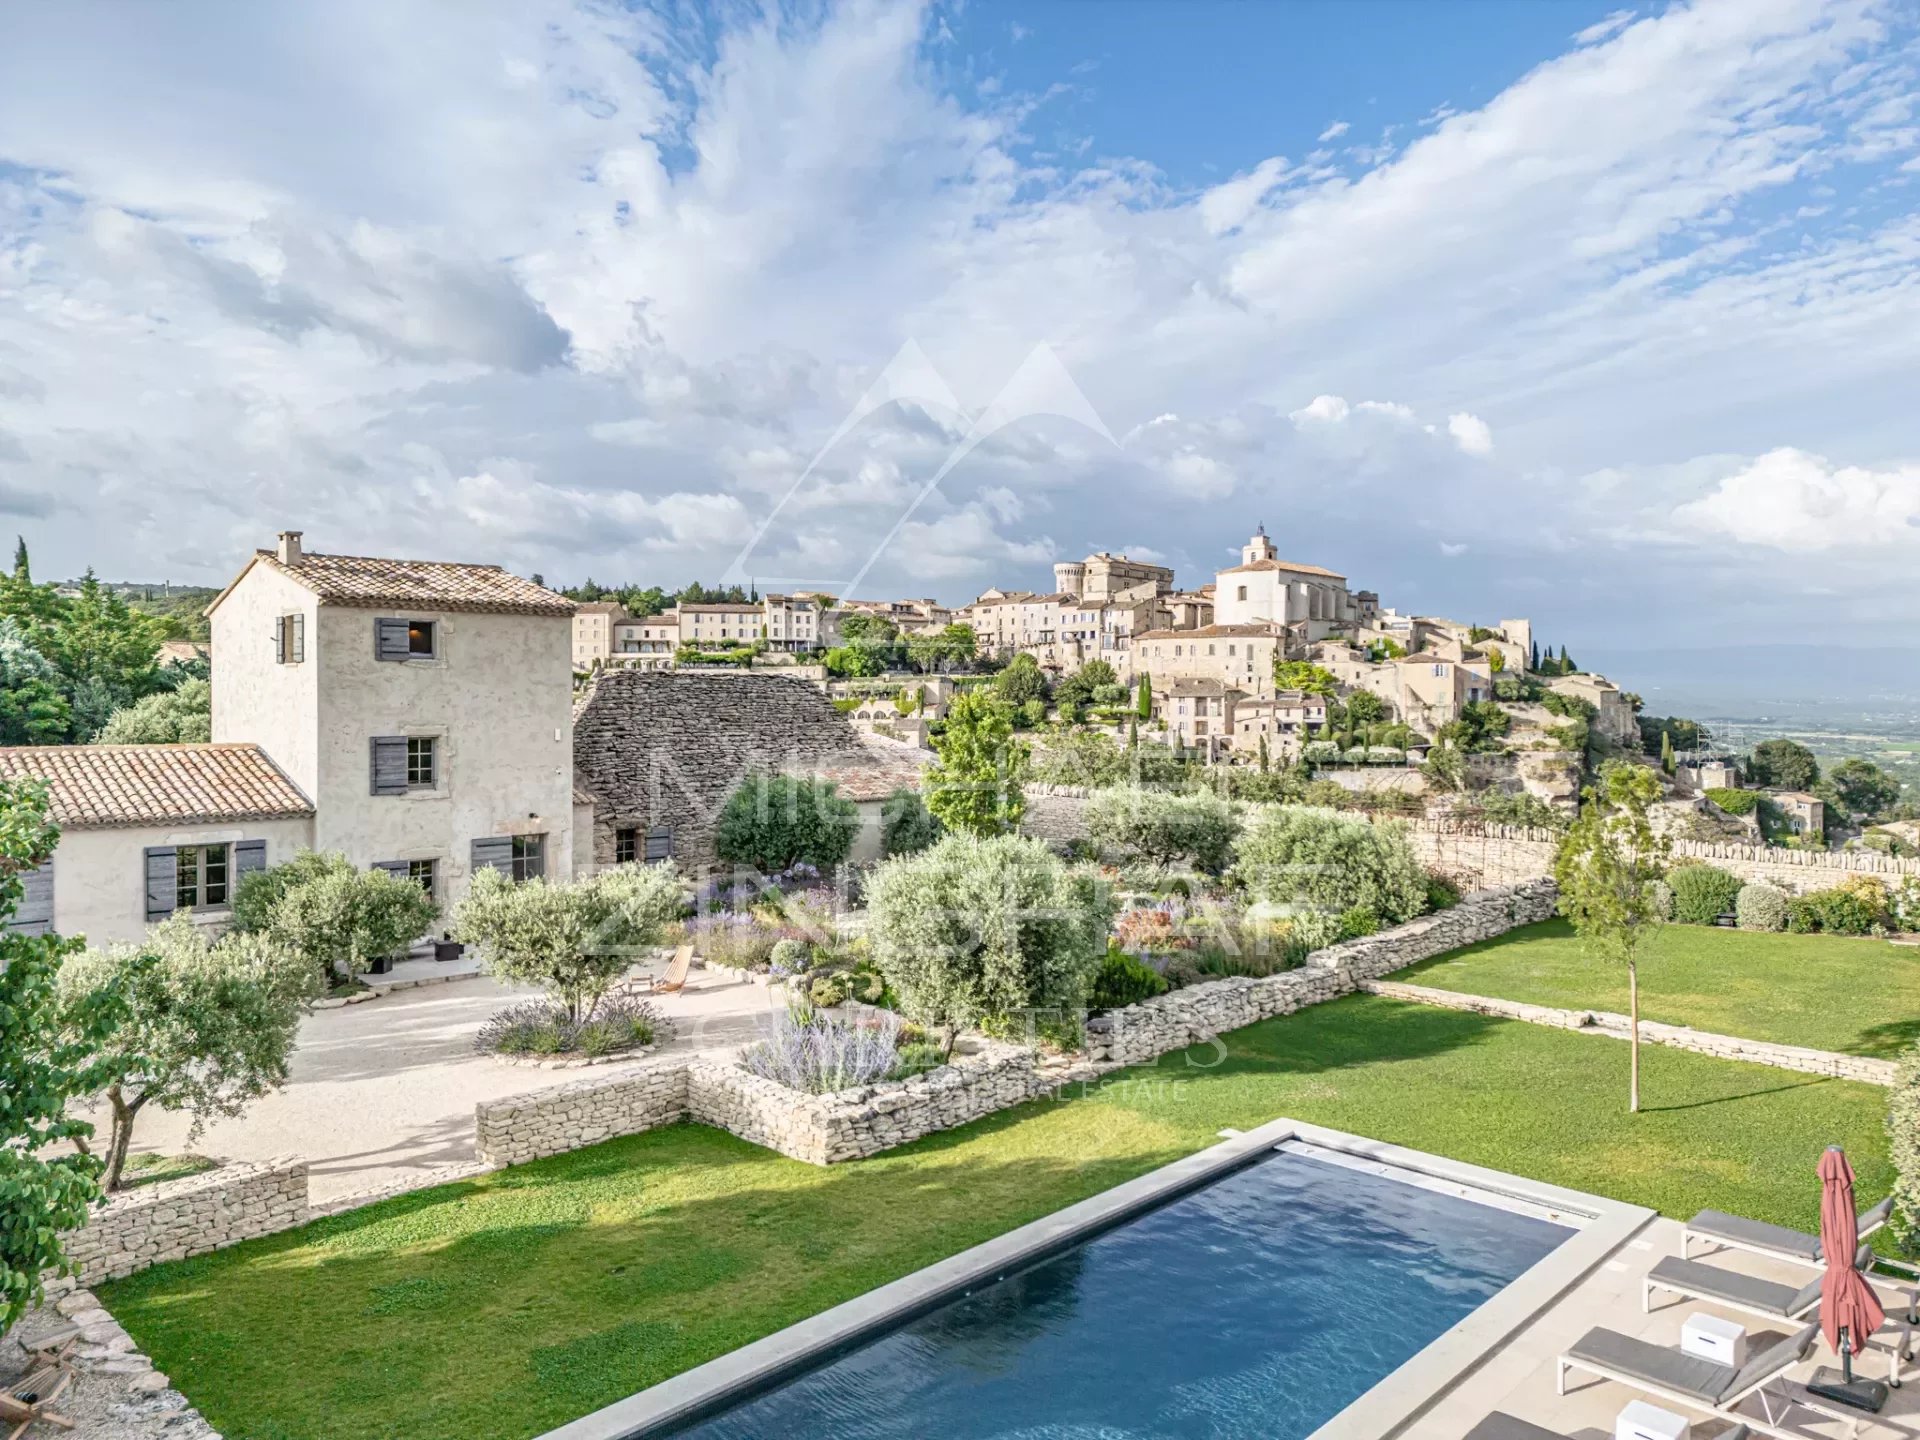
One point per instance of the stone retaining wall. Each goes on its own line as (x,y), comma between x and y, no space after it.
(566,1117)
(172,1219)
(1679,1037)
(1139,1033)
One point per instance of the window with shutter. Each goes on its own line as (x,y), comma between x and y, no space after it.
(299,639)
(626,848)
(162,878)
(387,764)
(248,857)
(493,852)
(34,914)
(390,640)
(659,845)
(529,857)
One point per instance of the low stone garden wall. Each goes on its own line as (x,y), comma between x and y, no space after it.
(172,1219)
(550,1122)
(1679,1037)
(1139,1033)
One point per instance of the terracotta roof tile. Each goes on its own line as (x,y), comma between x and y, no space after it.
(91,786)
(368,583)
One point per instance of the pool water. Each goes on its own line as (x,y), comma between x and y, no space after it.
(1260,1305)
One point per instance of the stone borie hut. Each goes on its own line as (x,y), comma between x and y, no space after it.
(657,753)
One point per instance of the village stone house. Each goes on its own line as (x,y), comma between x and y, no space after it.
(1285,721)
(148,829)
(411,715)
(657,754)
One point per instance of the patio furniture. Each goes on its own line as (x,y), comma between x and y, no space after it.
(1850,1312)
(1692,1384)
(675,976)
(1708,1337)
(1641,1421)
(1499,1426)
(1751,1295)
(28,1401)
(1735,1232)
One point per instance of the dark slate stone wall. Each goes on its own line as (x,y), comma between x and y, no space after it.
(667,748)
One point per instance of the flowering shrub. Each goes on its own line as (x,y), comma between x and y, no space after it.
(1761,907)
(732,941)
(1153,927)
(537,1027)
(790,957)
(806,1049)
(1857,906)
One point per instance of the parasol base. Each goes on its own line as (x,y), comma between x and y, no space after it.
(1829,1384)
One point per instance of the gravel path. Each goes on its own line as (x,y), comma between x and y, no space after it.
(382,1094)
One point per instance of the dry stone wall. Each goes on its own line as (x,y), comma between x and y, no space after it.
(1199,1013)
(172,1219)
(566,1117)
(1679,1037)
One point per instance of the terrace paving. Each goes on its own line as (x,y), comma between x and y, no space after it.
(383,1093)
(1518,1377)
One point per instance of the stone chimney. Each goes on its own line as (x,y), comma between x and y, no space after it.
(289,548)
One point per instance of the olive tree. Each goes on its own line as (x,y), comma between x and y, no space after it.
(771,822)
(346,918)
(1198,828)
(47,1183)
(1903,1148)
(980,931)
(208,1027)
(1320,860)
(573,940)
(1606,868)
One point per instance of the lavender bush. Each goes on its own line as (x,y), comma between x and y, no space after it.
(538,1027)
(809,1050)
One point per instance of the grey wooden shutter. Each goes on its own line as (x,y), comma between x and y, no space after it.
(299,639)
(35,913)
(163,881)
(493,852)
(659,846)
(390,640)
(280,640)
(248,857)
(395,868)
(387,764)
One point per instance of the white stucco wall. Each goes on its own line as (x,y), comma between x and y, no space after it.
(100,875)
(498,697)
(256,700)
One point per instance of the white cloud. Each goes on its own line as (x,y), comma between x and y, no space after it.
(1470,433)
(1451,549)
(1227,206)
(1791,500)
(1334,131)
(536,281)
(1325,409)
(1604,28)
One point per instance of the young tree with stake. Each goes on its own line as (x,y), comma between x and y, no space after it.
(1605,869)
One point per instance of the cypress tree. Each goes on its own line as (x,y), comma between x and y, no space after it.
(21,571)
(1666,751)
(1143,701)
(1533,662)
(1562,670)
(1265,763)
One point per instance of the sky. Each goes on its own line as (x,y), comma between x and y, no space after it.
(1609,317)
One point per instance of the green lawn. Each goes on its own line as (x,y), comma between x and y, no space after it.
(1858,997)
(500,1307)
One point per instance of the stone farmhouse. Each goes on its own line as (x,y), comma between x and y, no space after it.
(412,715)
(802,623)
(656,755)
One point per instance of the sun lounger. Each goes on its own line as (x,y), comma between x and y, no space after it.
(27,1401)
(1504,1427)
(1738,1233)
(1769,1299)
(1705,1385)
(675,976)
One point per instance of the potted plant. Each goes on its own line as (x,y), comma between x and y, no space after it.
(447,948)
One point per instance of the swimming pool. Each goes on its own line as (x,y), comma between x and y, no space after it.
(1260,1304)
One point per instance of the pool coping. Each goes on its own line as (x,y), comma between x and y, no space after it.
(1397,1399)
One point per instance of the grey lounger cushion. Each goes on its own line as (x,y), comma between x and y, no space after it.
(1796,1244)
(1504,1427)
(1658,1365)
(1711,1282)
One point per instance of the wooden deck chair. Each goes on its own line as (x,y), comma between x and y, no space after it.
(675,977)
(26,1401)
